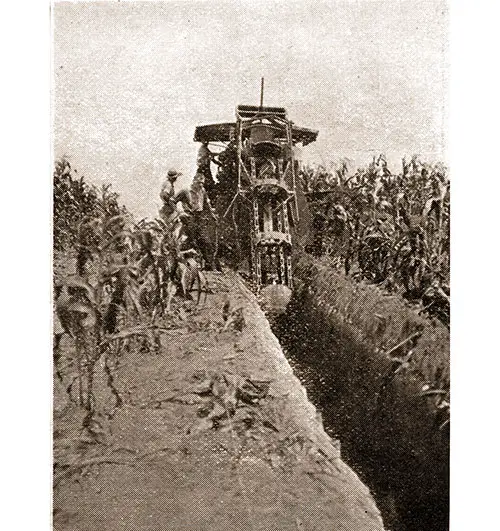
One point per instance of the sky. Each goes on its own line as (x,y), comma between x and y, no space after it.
(133,79)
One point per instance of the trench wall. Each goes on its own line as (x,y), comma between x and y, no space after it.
(340,333)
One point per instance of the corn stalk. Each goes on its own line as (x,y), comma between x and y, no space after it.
(387,229)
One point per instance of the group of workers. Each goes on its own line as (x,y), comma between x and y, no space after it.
(196,215)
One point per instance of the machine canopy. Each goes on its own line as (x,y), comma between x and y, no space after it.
(225,132)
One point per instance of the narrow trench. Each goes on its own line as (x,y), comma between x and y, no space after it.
(406,470)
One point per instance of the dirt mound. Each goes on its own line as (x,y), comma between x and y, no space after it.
(368,359)
(215,433)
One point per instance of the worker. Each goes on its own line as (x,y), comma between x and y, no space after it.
(204,159)
(167,193)
(201,221)
(226,174)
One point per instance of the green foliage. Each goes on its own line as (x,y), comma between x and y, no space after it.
(392,230)
(90,302)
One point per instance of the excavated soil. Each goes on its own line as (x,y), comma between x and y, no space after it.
(397,440)
(171,459)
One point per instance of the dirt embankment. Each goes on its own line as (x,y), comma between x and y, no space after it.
(380,375)
(214,433)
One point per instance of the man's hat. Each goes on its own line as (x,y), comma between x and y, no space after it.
(173,174)
(199,177)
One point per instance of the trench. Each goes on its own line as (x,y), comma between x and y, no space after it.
(391,443)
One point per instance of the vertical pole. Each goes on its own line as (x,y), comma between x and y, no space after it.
(292,164)
(238,151)
(261,93)
(256,248)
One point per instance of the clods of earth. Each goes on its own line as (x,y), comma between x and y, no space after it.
(213,432)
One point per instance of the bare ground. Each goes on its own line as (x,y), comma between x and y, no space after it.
(189,450)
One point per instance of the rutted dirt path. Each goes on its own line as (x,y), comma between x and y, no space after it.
(215,433)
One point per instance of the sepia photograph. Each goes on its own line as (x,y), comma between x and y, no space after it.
(250,265)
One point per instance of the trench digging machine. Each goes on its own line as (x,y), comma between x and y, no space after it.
(264,143)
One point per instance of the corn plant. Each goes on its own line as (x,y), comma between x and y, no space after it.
(75,200)
(125,277)
(103,287)
(388,229)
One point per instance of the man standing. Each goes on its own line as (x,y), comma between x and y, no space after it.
(205,157)
(201,223)
(167,194)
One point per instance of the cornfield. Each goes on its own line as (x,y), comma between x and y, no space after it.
(74,200)
(114,299)
(392,230)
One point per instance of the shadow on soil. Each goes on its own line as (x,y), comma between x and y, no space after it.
(388,435)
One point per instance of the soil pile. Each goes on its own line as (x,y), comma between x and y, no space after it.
(369,361)
(214,433)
